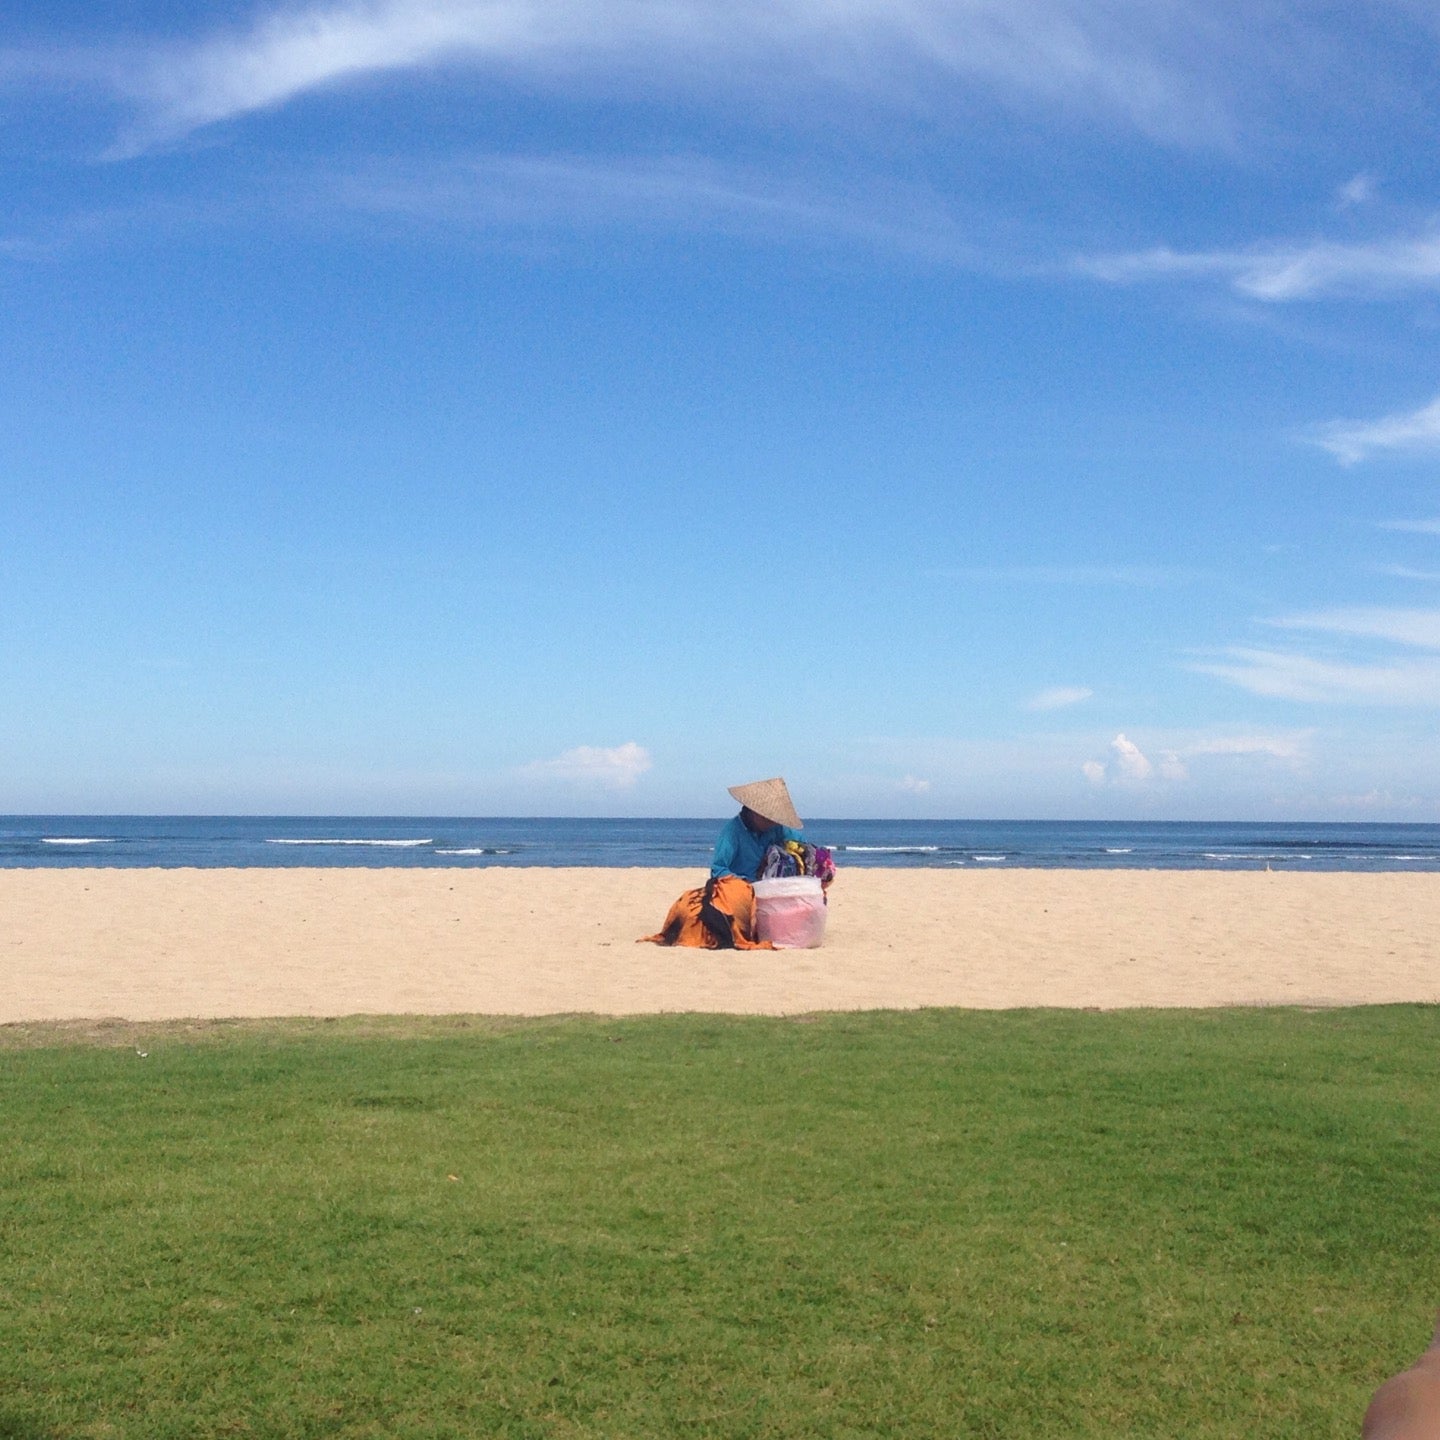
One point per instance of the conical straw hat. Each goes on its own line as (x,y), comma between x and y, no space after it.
(771,799)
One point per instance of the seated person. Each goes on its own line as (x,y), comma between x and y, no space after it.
(722,914)
(767,817)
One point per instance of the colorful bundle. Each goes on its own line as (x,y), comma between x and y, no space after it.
(795,857)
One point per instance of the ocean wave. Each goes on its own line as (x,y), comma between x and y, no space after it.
(891,849)
(477,850)
(397,844)
(1120,850)
(989,859)
(77,839)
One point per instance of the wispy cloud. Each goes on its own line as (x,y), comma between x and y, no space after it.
(914,785)
(1411,527)
(1407,572)
(289,52)
(1145,577)
(1380,679)
(1319,269)
(1358,190)
(1351,441)
(1419,629)
(1059,697)
(612,768)
(1276,747)
(1376,799)
(50,237)
(1155,66)
(673,191)
(1278,675)
(527,195)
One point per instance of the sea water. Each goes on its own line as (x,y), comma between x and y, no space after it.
(209,842)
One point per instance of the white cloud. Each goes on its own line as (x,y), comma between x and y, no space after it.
(1311,271)
(1358,190)
(613,768)
(1412,527)
(1246,771)
(1279,675)
(1059,697)
(1143,577)
(674,191)
(1154,65)
(1128,765)
(1277,747)
(1375,800)
(1417,628)
(1383,680)
(1350,441)
(1407,572)
(288,53)
(1172,767)
(913,785)
(1129,762)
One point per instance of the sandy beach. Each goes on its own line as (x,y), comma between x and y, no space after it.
(178,944)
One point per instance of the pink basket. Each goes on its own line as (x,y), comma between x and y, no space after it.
(790,913)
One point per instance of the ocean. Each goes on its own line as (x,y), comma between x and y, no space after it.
(212,842)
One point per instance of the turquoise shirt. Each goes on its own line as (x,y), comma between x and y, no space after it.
(740,852)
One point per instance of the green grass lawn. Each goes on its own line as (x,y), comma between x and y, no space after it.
(1198,1224)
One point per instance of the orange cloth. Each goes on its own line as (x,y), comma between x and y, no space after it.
(720,915)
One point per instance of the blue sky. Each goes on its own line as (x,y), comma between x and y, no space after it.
(987,408)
